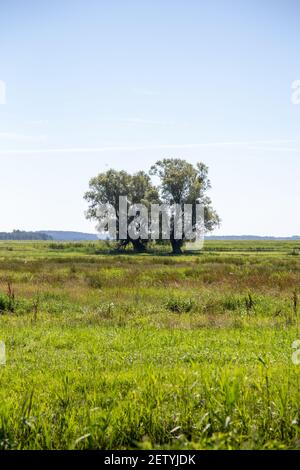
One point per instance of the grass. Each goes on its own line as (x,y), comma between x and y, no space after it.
(119,351)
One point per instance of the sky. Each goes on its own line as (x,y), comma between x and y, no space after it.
(92,85)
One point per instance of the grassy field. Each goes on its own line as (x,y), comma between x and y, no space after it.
(149,351)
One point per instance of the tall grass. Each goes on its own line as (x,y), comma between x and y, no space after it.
(123,351)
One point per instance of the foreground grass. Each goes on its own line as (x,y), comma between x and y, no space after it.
(149,351)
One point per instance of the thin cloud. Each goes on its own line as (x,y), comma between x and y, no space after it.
(38,122)
(15,137)
(278,149)
(262,145)
(139,121)
(145,92)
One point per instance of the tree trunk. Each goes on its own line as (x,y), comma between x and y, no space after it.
(176,246)
(138,246)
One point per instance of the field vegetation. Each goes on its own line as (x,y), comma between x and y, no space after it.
(117,350)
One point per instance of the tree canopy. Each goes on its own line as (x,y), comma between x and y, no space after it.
(180,183)
(107,187)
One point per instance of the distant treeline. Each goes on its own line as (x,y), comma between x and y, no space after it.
(22,235)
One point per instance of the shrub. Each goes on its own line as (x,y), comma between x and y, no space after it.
(232,303)
(180,304)
(7,303)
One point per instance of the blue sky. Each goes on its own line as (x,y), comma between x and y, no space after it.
(97,84)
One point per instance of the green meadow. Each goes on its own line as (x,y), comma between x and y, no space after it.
(109,350)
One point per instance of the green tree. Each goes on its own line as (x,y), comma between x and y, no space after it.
(107,187)
(182,183)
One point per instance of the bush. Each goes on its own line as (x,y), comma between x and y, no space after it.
(6,303)
(232,303)
(180,304)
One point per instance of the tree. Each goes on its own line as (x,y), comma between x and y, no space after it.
(106,188)
(182,183)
